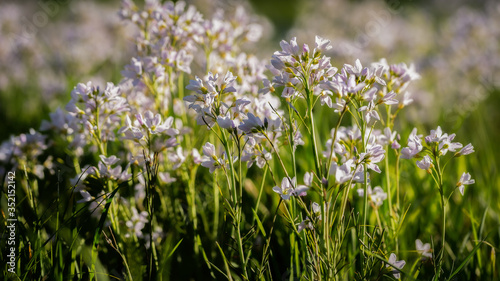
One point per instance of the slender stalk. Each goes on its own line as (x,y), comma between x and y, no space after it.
(192,195)
(365,184)
(439,173)
(332,147)
(365,202)
(268,242)
(291,142)
(236,201)
(317,164)
(279,157)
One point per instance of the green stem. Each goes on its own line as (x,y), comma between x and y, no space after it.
(332,147)
(397,182)
(365,195)
(291,143)
(313,133)
(365,202)
(439,172)
(236,204)
(389,197)
(192,195)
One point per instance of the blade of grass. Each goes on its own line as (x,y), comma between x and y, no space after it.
(469,256)
(226,265)
(99,228)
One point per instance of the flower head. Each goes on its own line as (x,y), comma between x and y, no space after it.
(397,265)
(290,188)
(465,179)
(466,150)
(414,146)
(423,249)
(425,163)
(210,159)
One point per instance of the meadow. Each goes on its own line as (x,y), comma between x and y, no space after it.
(208,140)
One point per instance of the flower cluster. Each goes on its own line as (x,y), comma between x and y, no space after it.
(437,145)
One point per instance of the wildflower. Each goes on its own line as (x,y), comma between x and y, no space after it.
(423,249)
(435,136)
(86,197)
(268,87)
(376,196)
(389,98)
(406,100)
(166,178)
(354,70)
(131,132)
(414,146)
(209,159)
(152,123)
(252,124)
(389,137)
(351,86)
(316,212)
(306,223)
(105,169)
(425,163)
(325,98)
(196,156)
(322,44)
(405,73)
(446,144)
(177,158)
(370,95)
(371,115)
(288,189)
(255,153)
(308,178)
(297,136)
(225,122)
(197,86)
(465,179)
(374,154)
(345,172)
(466,150)
(137,222)
(398,264)
(147,125)
(60,122)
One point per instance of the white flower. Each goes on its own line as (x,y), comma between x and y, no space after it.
(425,163)
(305,224)
(308,178)
(465,179)
(423,249)
(374,154)
(371,115)
(225,122)
(466,150)
(252,124)
(209,159)
(322,44)
(414,145)
(288,189)
(377,195)
(398,264)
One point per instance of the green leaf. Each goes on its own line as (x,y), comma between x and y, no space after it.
(259,223)
(226,265)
